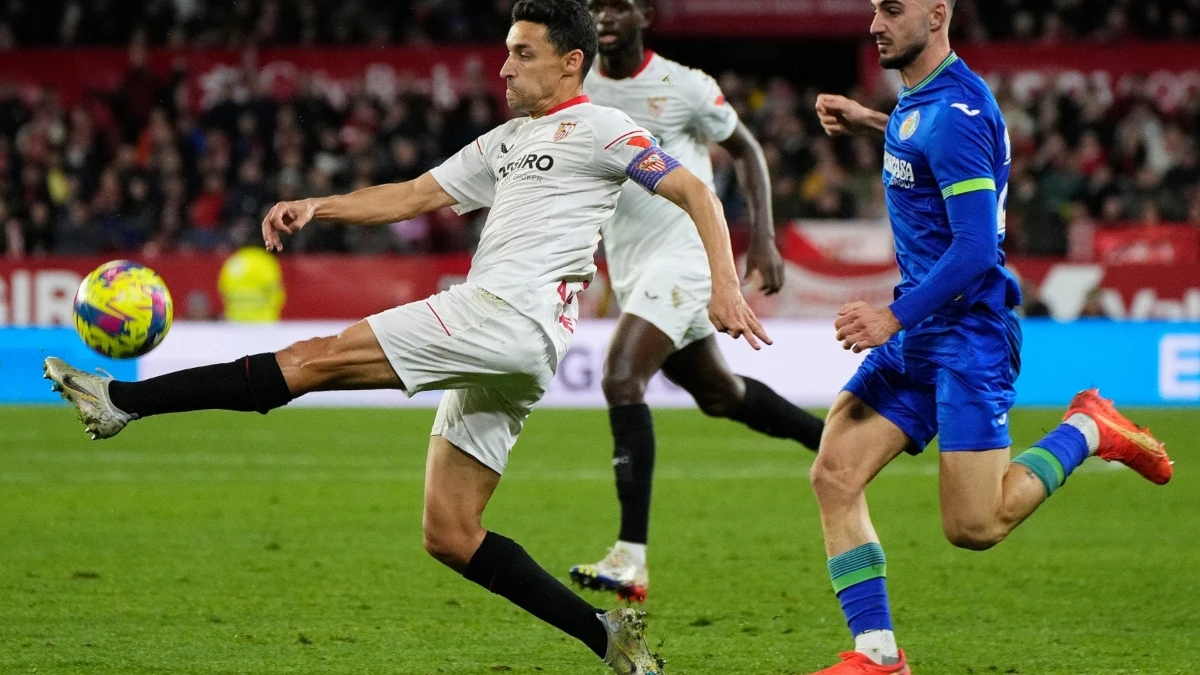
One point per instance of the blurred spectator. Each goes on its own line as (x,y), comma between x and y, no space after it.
(1093,305)
(251,286)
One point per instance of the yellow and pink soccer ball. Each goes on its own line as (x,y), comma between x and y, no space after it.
(123,309)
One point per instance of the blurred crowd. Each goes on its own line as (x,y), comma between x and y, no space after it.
(1081,161)
(309,22)
(233,23)
(1050,21)
(131,171)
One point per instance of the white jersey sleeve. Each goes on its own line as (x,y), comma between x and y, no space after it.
(715,119)
(468,176)
(625,150)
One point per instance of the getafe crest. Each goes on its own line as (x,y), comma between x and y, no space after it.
(656,104)
(564,130)
(910,125)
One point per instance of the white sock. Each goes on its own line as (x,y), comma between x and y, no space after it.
(879,646)
(635,552)
(1087,426)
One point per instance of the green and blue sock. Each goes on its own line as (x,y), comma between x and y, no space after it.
(1056,456)
(859,580)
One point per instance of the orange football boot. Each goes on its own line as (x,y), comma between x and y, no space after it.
(854,663)
(1121,440)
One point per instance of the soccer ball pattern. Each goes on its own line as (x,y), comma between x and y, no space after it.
(123,310)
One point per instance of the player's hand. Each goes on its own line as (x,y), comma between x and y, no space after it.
(730,314)
(841,116)
(861,326)
(286,218)
(764,260)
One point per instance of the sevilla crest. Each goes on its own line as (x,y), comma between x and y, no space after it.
(653,162)
(656,104)
(564,130)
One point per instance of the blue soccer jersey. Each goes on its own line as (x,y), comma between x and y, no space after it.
(946,139)
(951,372)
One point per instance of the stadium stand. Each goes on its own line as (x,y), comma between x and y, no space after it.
(133,170)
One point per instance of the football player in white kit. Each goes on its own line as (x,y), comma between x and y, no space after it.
(551,178)
(657,266)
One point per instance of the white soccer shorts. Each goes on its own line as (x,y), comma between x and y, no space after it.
(673,296)
(494,362)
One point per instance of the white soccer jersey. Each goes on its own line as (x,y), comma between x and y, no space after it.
(686,111)
(550,182)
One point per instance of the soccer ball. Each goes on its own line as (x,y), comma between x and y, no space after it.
(123,309)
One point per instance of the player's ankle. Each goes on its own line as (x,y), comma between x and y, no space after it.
(879,646)
(1088,427)
(635,553)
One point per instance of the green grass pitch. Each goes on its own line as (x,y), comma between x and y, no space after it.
(223,543)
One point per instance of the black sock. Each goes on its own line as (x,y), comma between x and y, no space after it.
(633,461)
(767,412)
(504,568)
(250,383)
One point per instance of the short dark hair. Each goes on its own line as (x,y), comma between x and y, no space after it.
(569,26)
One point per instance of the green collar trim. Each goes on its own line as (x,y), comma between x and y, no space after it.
(937,71)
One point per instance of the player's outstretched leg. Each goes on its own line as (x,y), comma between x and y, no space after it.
(457,489)
(985,495)
(857,444)
(261,383)
(702,371)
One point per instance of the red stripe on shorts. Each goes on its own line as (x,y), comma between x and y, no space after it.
(435,315)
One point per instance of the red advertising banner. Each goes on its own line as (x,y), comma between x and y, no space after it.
(833,18)
(1170,72)
(1121,292)
(39,291)
(336,72)
(1140,245)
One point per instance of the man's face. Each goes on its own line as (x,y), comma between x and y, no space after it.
(901,30)
(618,23)
(534,67)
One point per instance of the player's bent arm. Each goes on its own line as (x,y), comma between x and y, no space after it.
(972,252)
(840,115)
(384,204)
(751,166)
(875,121)
(689,193)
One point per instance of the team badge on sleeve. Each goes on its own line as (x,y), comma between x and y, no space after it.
(564,130)
(650,167)
(653,163)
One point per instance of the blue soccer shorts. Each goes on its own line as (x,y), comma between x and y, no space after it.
(951,379)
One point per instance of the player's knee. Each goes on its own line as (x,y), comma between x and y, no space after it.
(303,363)
(973,536)
(833,481)
(622,387)
(450,545)
(721,401)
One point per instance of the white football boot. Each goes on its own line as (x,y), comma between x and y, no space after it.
(618,572)
(628,653)
(89,394)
